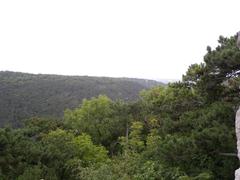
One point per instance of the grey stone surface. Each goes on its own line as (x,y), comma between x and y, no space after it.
(238,39)
(237,126)
(237,174)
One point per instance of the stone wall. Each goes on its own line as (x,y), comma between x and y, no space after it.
(237,126)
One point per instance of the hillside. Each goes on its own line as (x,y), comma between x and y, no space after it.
(184,131)
(24,95)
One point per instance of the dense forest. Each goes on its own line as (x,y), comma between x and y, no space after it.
(25,95)
(183,131)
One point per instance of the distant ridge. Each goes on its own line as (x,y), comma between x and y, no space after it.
(166,81)
(23,95)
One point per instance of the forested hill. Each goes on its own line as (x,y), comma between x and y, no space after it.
(184,131)
(25,95)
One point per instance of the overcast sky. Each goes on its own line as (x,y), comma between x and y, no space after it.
(119,38)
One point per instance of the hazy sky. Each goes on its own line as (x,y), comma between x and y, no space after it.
(130,38)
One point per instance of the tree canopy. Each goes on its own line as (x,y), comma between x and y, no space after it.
(184,131)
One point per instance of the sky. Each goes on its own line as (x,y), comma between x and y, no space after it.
(118,38)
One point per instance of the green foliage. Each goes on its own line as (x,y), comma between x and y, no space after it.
(17,152)
(135,141)
(27,95)
(219,72)
(93,117)
(63,150)
(179,132)
(36,127)
(37,172)
(194,74)
(33,173)
(172,100)
(88,152)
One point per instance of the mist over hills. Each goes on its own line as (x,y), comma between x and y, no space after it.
(23,95)
(166,81)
